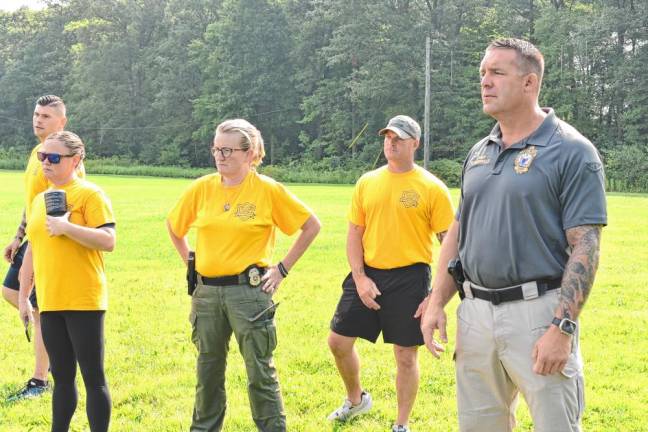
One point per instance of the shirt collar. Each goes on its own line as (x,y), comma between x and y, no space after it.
(539,137)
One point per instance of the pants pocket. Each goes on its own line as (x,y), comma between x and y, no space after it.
(266,314)
(541,310)
(193,320)
(573,366)
(580,383)
(463,332)
(264,333)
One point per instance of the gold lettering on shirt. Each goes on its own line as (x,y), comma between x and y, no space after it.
(409,198)
(245,211)
(479,159)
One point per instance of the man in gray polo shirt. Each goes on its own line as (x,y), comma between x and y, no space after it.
(527,232)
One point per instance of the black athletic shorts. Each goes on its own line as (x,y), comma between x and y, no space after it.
(402,291)
(11,279)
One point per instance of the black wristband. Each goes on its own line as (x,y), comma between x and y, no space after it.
(282,269)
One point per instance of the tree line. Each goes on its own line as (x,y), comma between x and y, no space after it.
(146,81)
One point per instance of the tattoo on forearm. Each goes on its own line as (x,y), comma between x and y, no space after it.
(580,270)
(440,236)
(20,233)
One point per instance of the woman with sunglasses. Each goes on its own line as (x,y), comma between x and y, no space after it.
(236,213)
(65,254)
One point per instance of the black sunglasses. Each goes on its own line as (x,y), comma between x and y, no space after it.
(53,158)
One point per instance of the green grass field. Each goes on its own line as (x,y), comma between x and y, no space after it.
(150,359)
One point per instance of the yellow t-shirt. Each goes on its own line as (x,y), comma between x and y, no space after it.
(70,276)
(35,180)
(401,212)
(228,241)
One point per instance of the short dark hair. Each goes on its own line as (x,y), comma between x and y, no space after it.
(52,101)
(530,59)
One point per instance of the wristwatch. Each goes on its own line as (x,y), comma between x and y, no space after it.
(565,325)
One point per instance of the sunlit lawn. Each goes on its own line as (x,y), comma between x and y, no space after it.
(150,357)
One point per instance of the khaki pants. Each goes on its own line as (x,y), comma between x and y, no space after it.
(494,363)
(216,312)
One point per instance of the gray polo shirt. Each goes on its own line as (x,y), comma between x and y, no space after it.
(516,204)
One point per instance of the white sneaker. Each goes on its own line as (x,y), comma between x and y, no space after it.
(400,428)
(348,410)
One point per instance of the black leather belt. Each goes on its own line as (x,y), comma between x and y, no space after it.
(251,275)
(497,296)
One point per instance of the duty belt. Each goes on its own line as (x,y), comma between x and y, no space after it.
(251,275)
(525,291)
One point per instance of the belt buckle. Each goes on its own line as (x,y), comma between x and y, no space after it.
(530,290)
(496,298)
(253,275)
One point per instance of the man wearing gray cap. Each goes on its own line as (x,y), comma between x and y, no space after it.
(395,212)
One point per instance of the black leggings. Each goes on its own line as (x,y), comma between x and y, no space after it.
(72,336)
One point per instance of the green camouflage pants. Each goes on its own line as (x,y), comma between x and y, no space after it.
(216,312)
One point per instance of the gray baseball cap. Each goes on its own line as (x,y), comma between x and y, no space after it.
(405,127)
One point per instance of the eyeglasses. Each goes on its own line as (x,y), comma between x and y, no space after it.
(53,158)
(225,151)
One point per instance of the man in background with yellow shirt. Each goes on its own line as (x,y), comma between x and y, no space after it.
(49,117)
(395,212)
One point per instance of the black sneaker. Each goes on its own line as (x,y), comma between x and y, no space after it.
(31,390)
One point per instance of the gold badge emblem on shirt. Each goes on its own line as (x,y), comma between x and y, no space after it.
(245,211)
(479,159)
(524,160)
(409,198)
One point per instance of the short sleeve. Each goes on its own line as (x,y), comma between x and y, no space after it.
(98,210)
(356,213)
(457,215)
(582,194)
(288,212)
(185,211)
(442,212)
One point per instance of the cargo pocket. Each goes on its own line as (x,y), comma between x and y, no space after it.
(264,338)
(264,332)
(272,337)
(580,384)
(463,332)
(193,320)
(574,383)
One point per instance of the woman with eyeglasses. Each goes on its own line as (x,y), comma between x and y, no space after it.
(236,213)
(65,255)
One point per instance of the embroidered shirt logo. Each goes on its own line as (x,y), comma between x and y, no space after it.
(479,159)
(409,198)
(524,160)
(245,211)
(594,166)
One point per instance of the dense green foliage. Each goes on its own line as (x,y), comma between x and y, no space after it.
(148,80)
